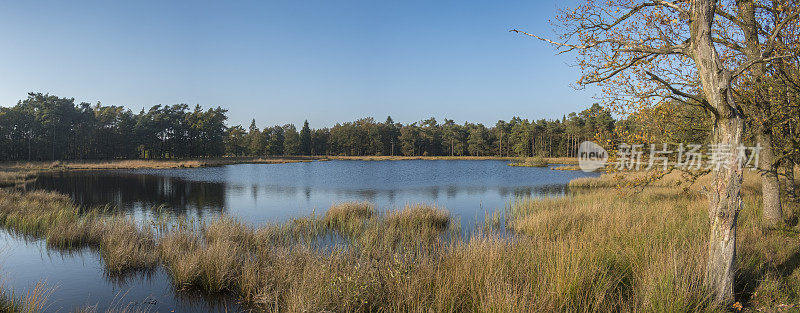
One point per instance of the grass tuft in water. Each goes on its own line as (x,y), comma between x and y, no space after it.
(600,250)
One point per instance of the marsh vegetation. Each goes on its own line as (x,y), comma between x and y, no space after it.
(602,249)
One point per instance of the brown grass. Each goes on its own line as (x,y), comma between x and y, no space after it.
(34,300)
(563,160)
(348,217)
(402,157)
(530,162)
(601,250)
(15,167)
(16,177)
(566,168)
(17,172)
(126,246)
(419,216)
(556,160)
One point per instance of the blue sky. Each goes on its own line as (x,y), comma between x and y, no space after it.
(286,61)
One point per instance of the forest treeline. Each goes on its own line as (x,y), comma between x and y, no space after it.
(47,127)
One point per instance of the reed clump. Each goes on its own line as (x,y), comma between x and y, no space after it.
(16,178)
(123,245)
(536,161)
(415,216)
(178,251)
(34,300)
(33,213)
(228,229)
(126,246)
(74,234)
(601,250)
(348,216)
(13,171)
(566,168)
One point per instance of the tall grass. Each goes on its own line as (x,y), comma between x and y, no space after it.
(600,250)
(15,178)
(34,300)
(635,253)
(28,169)
(536,161)
(349,216)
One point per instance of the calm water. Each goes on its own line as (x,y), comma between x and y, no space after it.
(257,194)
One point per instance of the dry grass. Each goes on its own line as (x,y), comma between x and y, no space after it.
(31,167)
(530,162)
(16,172)
(33,213)
(602,250)
(341,212)
(124,246)
(177,251)
(566,168)
(16,177)
(557,160)
(349,217)
(127,247)
(563,160)
(401,157)
(33,301)
(70,234)
(419,216)
(636,253)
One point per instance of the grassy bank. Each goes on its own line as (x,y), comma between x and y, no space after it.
(560,160)
(16,177)
(136,164)
(6,168)
(32,301)
(20,173)
(566,168)
(598,250)
(530,162)
(402,157)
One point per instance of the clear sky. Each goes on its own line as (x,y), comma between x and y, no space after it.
(286,61)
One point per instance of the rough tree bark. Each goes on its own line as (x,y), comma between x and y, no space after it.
(725,197)
(770,184)
(791,190)
(630,41)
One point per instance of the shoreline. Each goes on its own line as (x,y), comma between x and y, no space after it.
(35,166)
(557,242)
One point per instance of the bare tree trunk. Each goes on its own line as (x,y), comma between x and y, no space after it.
(500,150)
(791,189)
(725,202)
(725,195)
(770,185)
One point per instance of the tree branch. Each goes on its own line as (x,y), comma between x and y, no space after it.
(674,90)
(746,65)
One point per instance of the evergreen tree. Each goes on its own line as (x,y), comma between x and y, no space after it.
(305,139)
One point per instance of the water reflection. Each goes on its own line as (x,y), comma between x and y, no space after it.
(255,194)
(269,193)
(131,192)
(78,279)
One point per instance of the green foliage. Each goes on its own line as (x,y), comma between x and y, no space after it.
(46,127)
(305,139)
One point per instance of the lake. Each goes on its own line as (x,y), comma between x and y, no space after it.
(256,194)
